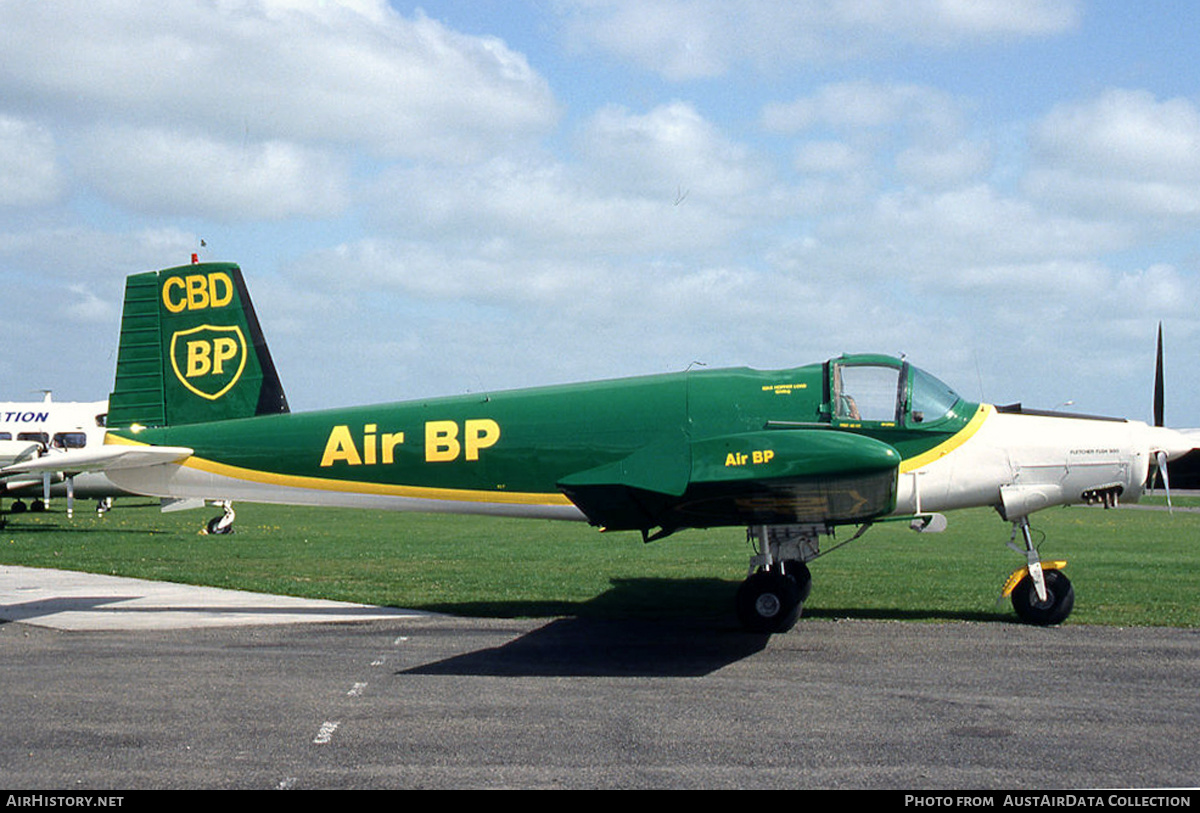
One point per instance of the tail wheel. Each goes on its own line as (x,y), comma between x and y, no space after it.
(1060,600)
(768,602)
(224,523)
(217,526)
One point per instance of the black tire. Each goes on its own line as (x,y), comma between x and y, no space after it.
(216,528)
(768,602)
(1060,600)
(797,571)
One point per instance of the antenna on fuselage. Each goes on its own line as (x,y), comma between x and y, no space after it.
(979,376)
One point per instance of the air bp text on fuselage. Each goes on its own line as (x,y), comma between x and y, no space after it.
(445,441)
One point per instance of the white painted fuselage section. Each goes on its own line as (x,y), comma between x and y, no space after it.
(1019,463)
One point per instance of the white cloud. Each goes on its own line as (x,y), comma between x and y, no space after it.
(670,148)
(690,39)
(1122,152)
(29,171)
(928,238)
(936,167)
(828,157)
(88,307)
(534,208)
(916,131)
(346,73)
(953,21)
(163,171)
(866,104)
(642,184)
(76,252)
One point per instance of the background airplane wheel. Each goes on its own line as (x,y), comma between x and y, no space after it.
(1060,600)
(768,602)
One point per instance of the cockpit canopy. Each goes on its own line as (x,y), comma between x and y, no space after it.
(887,391)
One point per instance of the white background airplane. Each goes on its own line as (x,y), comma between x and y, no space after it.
(53,429)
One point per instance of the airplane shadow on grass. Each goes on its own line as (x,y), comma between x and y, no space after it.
(640,627)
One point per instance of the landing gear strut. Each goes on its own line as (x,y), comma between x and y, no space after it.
(1042,595)
(771,598)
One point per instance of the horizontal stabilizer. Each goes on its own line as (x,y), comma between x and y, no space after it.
(102,458)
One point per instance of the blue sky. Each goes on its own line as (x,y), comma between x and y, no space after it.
(463,196)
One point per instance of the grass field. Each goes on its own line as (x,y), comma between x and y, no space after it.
(1129,567)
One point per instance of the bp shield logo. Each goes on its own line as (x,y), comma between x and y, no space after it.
(209,360)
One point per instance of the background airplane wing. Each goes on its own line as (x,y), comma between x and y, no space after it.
(16,451)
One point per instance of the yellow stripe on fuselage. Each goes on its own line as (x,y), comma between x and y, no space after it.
(500,497)
(951,443)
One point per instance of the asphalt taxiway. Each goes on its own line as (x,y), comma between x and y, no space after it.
(122,685)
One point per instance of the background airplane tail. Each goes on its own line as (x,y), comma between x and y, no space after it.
(191,350)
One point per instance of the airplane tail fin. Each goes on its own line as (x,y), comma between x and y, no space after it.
(191,350)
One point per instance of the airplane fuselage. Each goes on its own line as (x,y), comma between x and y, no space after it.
(514,452)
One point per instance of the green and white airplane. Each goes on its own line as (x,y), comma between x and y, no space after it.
(198,414)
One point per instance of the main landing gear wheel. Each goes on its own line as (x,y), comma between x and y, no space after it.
(769,601)
(1060,600)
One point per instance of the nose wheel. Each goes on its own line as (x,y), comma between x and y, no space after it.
(1040,593)
(1045,611)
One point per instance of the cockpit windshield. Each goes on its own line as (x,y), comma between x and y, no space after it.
(930,399)
(888,392)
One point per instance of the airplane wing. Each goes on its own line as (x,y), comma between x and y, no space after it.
(16,451)
(773,476)
(101,458)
